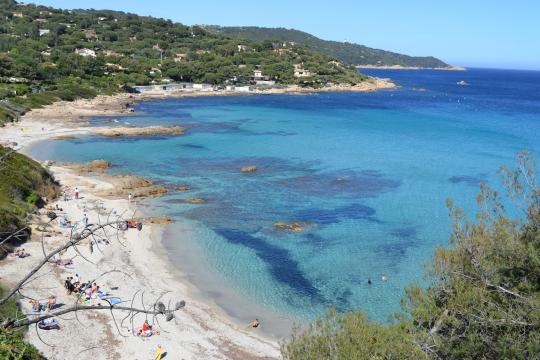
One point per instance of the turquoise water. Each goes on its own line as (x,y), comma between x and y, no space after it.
(368,173)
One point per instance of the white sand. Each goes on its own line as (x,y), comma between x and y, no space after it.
(197,332)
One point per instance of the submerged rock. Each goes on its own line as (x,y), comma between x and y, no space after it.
(182,187)
(249,169)
(195,200)
(294,227)
(126,131)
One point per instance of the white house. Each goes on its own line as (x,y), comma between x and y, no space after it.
(203,87)
(265,82)
(242,48)
(299,71)
(44,32)
(257,74)
(85,52)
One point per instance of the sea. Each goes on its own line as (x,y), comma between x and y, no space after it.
(367,175)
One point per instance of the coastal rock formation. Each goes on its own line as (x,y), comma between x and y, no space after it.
(129,131)
(158,220)
(249,169)
(195,200)
(137,186)
(294,227)
(95,166)
(182,187)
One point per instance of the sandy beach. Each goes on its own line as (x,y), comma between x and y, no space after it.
(137,259)
(198,331)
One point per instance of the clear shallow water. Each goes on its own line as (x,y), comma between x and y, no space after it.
(369,172)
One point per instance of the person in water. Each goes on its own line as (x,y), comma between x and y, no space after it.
(369,281)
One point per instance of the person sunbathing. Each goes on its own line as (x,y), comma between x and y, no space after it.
(255,323)
(146,330)
(20,253)
(51,302)
(36,306)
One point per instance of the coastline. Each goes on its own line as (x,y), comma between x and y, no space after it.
(400,67)
(211,332)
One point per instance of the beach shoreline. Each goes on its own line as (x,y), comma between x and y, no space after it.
(210,324)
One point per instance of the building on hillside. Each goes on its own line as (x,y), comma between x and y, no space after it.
(102,18)
(240,89)
(18,14)
(46,52)
(258,75)
(90,34)
(265,82)
(85,52)
(299,71)
(44,32)
(242,48)
(203,87)
(335,62)
(167,87)
(180,57)
(45,13)
(154,71)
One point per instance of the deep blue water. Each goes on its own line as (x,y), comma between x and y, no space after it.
(369,174)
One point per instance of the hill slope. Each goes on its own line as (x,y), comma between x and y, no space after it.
(48,54)
(349,53)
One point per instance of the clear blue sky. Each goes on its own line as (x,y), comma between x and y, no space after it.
(479,33)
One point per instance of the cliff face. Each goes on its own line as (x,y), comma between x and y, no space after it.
(24,186)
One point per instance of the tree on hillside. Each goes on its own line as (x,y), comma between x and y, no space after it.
(483,301)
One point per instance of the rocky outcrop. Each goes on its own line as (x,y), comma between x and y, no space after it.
(137,186)
(195,200)
(249,169)
(95,166)
(128,131)
(182,187)
(293,227)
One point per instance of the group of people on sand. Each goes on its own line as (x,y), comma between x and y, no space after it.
(48,306)
(86,290)
(19,253)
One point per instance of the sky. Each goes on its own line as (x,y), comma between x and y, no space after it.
(474,33)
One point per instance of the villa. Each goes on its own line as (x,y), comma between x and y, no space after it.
(85,52)
(299,71)
(44,32)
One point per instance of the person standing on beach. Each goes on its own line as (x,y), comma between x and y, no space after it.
(85,220)
(76,193)
(130,197)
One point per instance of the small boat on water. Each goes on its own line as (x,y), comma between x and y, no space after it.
(462,83)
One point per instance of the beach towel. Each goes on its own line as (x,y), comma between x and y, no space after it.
(159,353)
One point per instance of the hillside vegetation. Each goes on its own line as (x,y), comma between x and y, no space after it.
(48,54)
(346,52)
(23,186)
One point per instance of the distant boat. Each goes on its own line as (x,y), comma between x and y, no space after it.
(462,83)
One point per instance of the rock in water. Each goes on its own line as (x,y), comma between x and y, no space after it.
(249,169)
